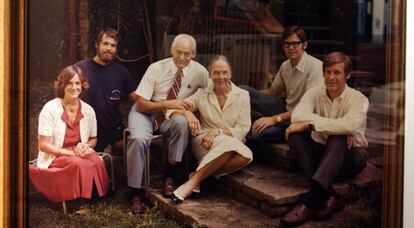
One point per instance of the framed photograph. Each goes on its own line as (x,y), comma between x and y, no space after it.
(41,37)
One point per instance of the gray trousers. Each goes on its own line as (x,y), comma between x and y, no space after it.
(141,127)
(326,163)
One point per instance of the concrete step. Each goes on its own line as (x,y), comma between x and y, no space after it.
(283,157)
(258,196)
(213,210)
(274,191)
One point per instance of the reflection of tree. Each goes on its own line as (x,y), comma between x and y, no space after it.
(241,9)
(187,17)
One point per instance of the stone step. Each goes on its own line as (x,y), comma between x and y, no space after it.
(258,196)
(213,210)
(274,191)
(283,157)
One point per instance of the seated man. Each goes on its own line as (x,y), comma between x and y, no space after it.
(295,76)
(163,82)
(334,148)
(110,83)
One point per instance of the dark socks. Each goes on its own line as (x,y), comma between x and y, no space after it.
(316,196)
(137,192)
(174,172)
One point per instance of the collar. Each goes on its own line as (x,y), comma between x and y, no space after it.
(79,116)
(301,65)
(341,97)
(185,70)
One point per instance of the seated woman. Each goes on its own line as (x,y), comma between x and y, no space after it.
(225,120)
(67,166)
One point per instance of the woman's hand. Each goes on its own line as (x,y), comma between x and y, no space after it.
(208,139)
(88,151)
(193,122)
(82,149)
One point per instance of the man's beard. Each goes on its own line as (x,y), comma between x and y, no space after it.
(102,56)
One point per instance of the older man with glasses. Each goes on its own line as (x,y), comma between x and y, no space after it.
(296,75)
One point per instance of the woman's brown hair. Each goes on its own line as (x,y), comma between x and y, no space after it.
(65,76)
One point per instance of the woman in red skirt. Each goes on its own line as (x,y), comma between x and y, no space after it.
(67,165)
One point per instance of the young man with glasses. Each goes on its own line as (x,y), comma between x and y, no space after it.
(296,75)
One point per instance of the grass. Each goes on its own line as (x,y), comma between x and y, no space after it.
(102,214)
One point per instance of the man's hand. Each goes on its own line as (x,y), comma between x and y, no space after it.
(208,139)
(193,122)
(350,141)
(177,104)
(262,123)
(296,127)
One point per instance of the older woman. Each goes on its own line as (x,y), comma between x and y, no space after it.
(67,166)
(225,120)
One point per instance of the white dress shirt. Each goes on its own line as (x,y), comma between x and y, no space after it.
(344,115)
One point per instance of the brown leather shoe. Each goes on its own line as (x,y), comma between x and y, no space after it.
(137,206)
(169,187)
(332,206)
(297,216)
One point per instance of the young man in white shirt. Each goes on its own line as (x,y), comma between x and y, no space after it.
(296,75)
(327,138)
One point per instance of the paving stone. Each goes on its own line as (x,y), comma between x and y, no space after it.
(288,164)
(276,186)
(274,212)
(213,210)
(352,216)
(370,176)
(377,162)
(282,149)
(247,199)
(279,187)
(216,210)
(342,188)
(256,195)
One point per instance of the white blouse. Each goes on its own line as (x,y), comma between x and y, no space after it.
(52,125)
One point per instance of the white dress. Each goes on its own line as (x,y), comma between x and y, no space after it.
(235,117)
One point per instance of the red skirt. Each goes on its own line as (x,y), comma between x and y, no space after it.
(71,177)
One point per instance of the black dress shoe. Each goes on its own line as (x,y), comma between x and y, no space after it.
(195,194)
(176,199)
(332,206)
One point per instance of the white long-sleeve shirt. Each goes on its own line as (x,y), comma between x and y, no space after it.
(344,115)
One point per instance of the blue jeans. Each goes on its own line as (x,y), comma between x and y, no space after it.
(267,106)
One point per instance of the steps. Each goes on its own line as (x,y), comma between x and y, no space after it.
(258,195)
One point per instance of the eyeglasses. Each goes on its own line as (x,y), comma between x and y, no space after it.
(294,44)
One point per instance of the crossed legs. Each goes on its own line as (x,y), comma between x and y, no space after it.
(225,163)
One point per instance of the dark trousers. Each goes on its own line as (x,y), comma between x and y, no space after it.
(267,106)
(327,163)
